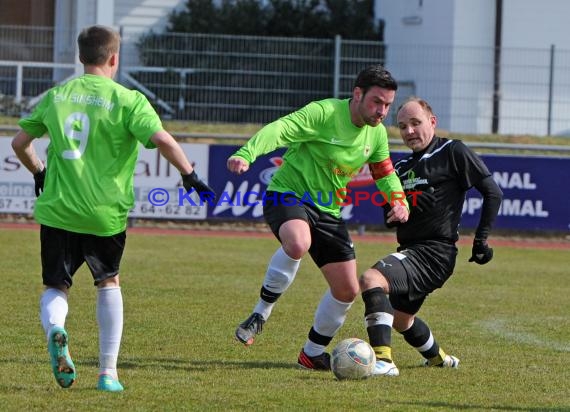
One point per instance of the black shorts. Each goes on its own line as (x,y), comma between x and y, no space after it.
(330,240)
(416,271)
(63,252)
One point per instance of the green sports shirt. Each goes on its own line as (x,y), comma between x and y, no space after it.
(94,125)
(325,150)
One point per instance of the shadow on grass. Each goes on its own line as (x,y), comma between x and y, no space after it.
(454,407)
(187,364)
(169,363)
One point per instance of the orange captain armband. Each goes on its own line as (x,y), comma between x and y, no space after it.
(381,169)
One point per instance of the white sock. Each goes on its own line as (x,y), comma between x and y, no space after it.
(280,274)
(264,308)
(329,317)
(312,349)
(110,320)
(53,309)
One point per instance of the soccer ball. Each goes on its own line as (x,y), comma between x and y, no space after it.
(353,358)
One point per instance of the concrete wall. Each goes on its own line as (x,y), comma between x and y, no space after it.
(134,17)
(446,48)
(137,17)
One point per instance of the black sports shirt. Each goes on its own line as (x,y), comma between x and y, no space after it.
(450,168)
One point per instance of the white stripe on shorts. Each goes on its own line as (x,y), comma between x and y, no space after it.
(399,256)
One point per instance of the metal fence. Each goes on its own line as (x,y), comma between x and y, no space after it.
(218,78)
(248,79)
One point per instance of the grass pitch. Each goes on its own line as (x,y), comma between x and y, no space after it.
(507,321)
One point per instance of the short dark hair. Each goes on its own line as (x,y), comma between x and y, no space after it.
(96,44)
(375,75)
(423,104)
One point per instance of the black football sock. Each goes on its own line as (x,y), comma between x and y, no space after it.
(420,337)
(379,316)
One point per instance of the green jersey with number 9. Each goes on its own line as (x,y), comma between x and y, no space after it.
(94,125)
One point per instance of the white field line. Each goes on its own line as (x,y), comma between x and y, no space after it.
(506,329)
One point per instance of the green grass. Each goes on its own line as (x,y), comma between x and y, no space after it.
(508,322)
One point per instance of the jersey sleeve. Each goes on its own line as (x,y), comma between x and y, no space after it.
(492,197)
(382,150)
(34,124)
(295,127)
(389,184)
(143,121)
(469,166)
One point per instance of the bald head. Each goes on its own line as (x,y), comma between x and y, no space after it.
(417,123)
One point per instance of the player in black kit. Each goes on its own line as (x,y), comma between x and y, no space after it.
(436,175)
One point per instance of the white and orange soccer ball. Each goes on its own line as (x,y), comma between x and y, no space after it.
(352,358)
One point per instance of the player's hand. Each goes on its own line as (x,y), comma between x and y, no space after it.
(481,252)
(398,214)
(237,165)
(192,181)
(422,201)
(39,179)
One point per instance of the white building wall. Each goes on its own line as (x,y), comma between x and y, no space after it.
(422,38)
(420,35)
(137,17)
(472,66)
(536,26)
(134,17)
(445,47)
(70,17)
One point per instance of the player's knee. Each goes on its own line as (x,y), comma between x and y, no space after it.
(296,249)
(372,278)
(346,293)
(109,282)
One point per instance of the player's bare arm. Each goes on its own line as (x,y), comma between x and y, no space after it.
(171,150)
(22,145)
(237,165)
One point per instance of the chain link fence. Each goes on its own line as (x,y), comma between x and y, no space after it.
(250,79)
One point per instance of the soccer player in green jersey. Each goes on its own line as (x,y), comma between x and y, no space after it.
(86,191)
(327,142)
